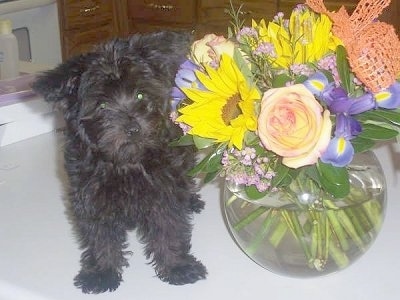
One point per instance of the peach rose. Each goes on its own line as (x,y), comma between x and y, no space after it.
(293,124)
(210,47)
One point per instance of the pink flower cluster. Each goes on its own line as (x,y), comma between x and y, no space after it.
(247,168)
(329,63)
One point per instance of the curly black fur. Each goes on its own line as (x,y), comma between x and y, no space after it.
(122,173)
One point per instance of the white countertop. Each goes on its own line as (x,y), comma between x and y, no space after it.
(28,67)
(18,5)
(39,256)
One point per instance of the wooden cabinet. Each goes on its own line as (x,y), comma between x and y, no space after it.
(84,23)
(391,15)
(286,6)
(145,15)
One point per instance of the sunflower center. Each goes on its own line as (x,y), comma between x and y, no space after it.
(231,109)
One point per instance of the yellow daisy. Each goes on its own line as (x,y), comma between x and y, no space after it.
(307,38)
(225,110)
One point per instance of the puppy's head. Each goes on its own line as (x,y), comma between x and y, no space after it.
(116,98)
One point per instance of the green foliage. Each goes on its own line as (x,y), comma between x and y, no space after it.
(185,140)
(210,165)
(334,180)
(280,80)
(343,68)
(281,175)
(202,143)
(377,132)
(362,144)
(381,115)
(253,194)
(243,66)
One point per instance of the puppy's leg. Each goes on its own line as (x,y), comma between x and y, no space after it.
(103,258)
(196,205)
(166,233)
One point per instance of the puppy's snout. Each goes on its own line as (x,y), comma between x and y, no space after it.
(133,128)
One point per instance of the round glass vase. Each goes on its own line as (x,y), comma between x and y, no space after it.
(303,232)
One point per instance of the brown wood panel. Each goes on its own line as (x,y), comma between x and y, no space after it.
(158,11)
(84,23)
(80,14)
(77,42)
(391,15)
(286,6)
(139,27)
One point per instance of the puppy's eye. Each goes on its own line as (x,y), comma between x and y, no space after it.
(139,96)
(103,105)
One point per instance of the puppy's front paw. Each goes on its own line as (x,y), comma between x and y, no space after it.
(190,272)
(98,282)
(196,205)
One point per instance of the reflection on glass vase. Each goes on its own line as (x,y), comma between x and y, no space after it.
(303,232)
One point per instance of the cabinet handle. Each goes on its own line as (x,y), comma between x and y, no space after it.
(167,7)
(89,9)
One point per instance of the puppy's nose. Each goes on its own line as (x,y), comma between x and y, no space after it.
(133,128)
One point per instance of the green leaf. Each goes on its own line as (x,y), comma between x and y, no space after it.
(312,172)
(214,162)
(281,177)
(376,132)
(334,180)
(185,140)
(243,66)
(280,80)
(381,115)
(202,143)
(199,167)
(362,144)
(210,177)
(300,79)
(253,193)
(230,32)
(343,68)
(211,163)
(251,139)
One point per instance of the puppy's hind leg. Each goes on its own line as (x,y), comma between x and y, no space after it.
(103,258)
(166,233)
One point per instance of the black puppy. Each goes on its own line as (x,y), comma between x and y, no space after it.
(123,174)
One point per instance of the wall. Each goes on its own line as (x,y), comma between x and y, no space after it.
(42,23)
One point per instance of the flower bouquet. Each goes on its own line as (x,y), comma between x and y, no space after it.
(282,110)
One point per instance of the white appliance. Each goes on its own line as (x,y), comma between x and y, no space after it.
(35,23)
(22,113)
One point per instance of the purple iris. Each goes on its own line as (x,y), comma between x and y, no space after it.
(185,78)
(338,102)
(340,151)
(389,98)
(332,94)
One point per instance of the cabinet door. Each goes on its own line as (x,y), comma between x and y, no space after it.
(154,15)
(86,13)
(76,42)
(163,11)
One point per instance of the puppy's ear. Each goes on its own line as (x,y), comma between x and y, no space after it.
(164,50)
(60,85)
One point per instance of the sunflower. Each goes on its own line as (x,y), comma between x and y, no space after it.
(225,110)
